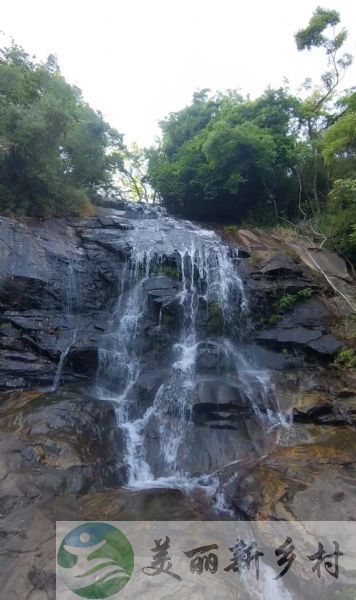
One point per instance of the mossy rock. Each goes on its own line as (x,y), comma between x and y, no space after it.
(215,321)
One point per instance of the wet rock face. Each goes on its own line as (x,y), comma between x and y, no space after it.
(59,281)
(292,297)
(63,455)
(55,448)
(308,470)
(63,439)
(306,327)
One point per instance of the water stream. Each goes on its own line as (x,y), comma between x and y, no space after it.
(68,310)
(182,288)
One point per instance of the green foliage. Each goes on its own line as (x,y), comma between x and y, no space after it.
(343,195)
(339,142)
(215,321)
(352,236)
(339,230)
(288,301)
(304,293)
(312,35)
(167,270)
(339,221)
(222,157)
(345,359)
(56,153)
(278,158)
(273,319)
(315,113)
(231,229)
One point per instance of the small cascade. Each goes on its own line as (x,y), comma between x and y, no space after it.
(72,291)
(60,366)
(119,364)
(69,308)
(182,279)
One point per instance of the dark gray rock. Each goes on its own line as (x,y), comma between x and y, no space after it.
(312,339)
(16,372)
(264,357)
(327,344)
(309,313)
(84,359)
(220,402)
(162,290)
(280,267)
(55,447)
(290,335)
(58,283)
(211,357)
(119,223)
(307,326)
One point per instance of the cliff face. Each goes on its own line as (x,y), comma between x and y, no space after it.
(303,302)
(60,279)
(59,282)
(63,456)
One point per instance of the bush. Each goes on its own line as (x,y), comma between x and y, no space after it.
(231,229)
(168,271)
(339,222)
(288,301)
(346,359)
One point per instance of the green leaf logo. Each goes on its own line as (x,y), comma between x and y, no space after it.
(95,560)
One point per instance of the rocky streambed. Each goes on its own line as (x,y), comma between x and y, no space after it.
(62,453)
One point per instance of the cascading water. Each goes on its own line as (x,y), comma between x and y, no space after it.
(69,306)
(181,285)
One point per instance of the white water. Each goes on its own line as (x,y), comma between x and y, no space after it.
(71,295)
(61,363)
(208,275)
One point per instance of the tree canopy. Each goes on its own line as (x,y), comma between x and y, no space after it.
(223,156)
(280,157)
(56,153)
(277,158)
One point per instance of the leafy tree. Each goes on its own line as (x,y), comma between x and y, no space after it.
(133,176)
(339,142)
(339,221)
(223,157)
(56,153)
(314,112)
(227,158)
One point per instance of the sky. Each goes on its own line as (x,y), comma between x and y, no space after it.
(138,60)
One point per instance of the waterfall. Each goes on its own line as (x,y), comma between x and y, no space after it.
(61,363)
(182,274)
(71,289)
(68,310)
